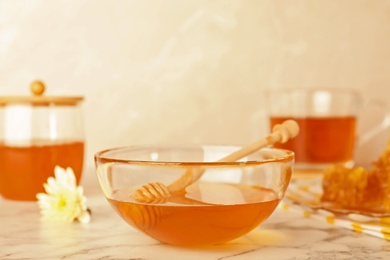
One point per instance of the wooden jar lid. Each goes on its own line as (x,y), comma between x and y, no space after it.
(37,89)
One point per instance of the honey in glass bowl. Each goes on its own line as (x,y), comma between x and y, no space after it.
(229,200)
(38,133)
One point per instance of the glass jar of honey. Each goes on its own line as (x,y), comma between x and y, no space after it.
(37,133)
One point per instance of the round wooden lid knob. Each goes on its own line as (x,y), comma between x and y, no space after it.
(37,87)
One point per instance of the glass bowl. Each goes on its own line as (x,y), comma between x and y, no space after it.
(227,201)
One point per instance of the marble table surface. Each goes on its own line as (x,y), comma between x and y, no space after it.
(287,234)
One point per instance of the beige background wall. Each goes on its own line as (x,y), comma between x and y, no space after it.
(157,71)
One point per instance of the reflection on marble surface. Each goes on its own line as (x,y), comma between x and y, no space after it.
(285,235)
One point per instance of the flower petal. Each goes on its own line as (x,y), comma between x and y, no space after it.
(63,200)
(85,217)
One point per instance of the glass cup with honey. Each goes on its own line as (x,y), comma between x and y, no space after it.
(37,133)
(328,120)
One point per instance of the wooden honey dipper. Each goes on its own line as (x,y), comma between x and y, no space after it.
(157,192)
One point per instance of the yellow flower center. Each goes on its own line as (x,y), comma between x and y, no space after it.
(61,203)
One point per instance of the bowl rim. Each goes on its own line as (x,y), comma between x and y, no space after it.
(100,158)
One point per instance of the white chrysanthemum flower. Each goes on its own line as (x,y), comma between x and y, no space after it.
(64,200)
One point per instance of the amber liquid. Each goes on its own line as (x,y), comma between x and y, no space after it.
(197,223)
(24,169)
(321,139)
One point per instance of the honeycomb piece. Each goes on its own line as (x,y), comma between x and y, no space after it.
(343,186)
(359,188)
(381,171)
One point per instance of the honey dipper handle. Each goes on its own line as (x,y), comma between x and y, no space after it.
(280,133)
